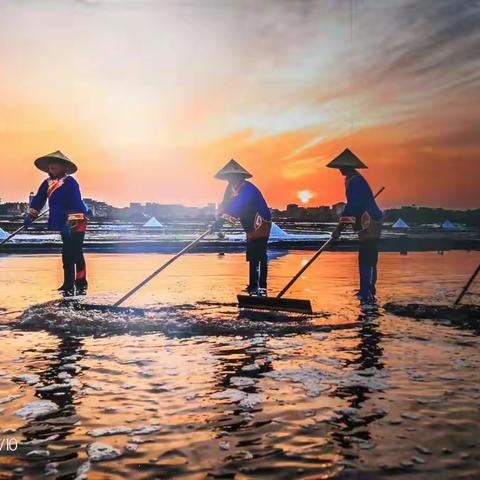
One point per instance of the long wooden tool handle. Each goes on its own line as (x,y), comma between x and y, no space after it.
(295,278)
(163,267)
(317,253)
(467,286)
(18,230)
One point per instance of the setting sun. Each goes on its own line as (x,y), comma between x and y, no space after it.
(305,195)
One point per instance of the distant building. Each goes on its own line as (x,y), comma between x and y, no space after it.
(136,208)
(276,213)
(319,214)
(294,212)
(292,208)
(208,212)
(13,209)
(97,209)
(337,209)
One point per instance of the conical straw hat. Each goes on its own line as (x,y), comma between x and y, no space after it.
(346,159)
(58,156)
(232,168)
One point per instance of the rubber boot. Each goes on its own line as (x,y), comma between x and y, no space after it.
(81,287)
(68,292)
(366,279)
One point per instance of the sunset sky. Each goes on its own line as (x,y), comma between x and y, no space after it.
(151,98)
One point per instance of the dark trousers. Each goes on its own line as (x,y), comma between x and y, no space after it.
(258,275)
(258,263)
(367,262)
(74,267)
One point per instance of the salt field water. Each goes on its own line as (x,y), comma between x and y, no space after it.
(197,390)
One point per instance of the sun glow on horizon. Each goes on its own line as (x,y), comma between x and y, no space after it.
(305,196)
(151,116)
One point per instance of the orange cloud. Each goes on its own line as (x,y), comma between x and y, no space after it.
(152,115)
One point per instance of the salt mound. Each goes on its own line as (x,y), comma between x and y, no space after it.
(400,224)
(448,225)
(277,233)
(152,222)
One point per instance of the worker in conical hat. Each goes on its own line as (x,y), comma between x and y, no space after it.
(67,215)
(364,215)
(243,201)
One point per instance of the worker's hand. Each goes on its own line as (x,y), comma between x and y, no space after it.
(218,224)
(66,231)
(27,220)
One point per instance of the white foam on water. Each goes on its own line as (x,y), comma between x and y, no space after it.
(10,398)
(28,378)
(98,452)
(36,409)
(204,319)
(102,432)
(246,400)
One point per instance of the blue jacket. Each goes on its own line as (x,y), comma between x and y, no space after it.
(64,201)
(247,205)
(361,207)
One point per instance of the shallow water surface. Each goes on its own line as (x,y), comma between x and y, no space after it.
(239,397)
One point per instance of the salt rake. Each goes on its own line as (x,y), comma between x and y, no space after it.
(279,303)
(116,308)
(283,304)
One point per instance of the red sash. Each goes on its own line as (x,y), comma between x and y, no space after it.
(54,183)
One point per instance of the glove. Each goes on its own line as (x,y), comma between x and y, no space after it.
(66,230)
(27,220)
(218,224)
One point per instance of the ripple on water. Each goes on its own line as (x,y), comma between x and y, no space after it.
(203,392)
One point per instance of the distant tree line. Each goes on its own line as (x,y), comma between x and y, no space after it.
(422,215)
(136,212)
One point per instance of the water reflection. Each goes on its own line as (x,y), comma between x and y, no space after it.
(277,404)
(242,369)
(56,385)
(350,428)
(238,378)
